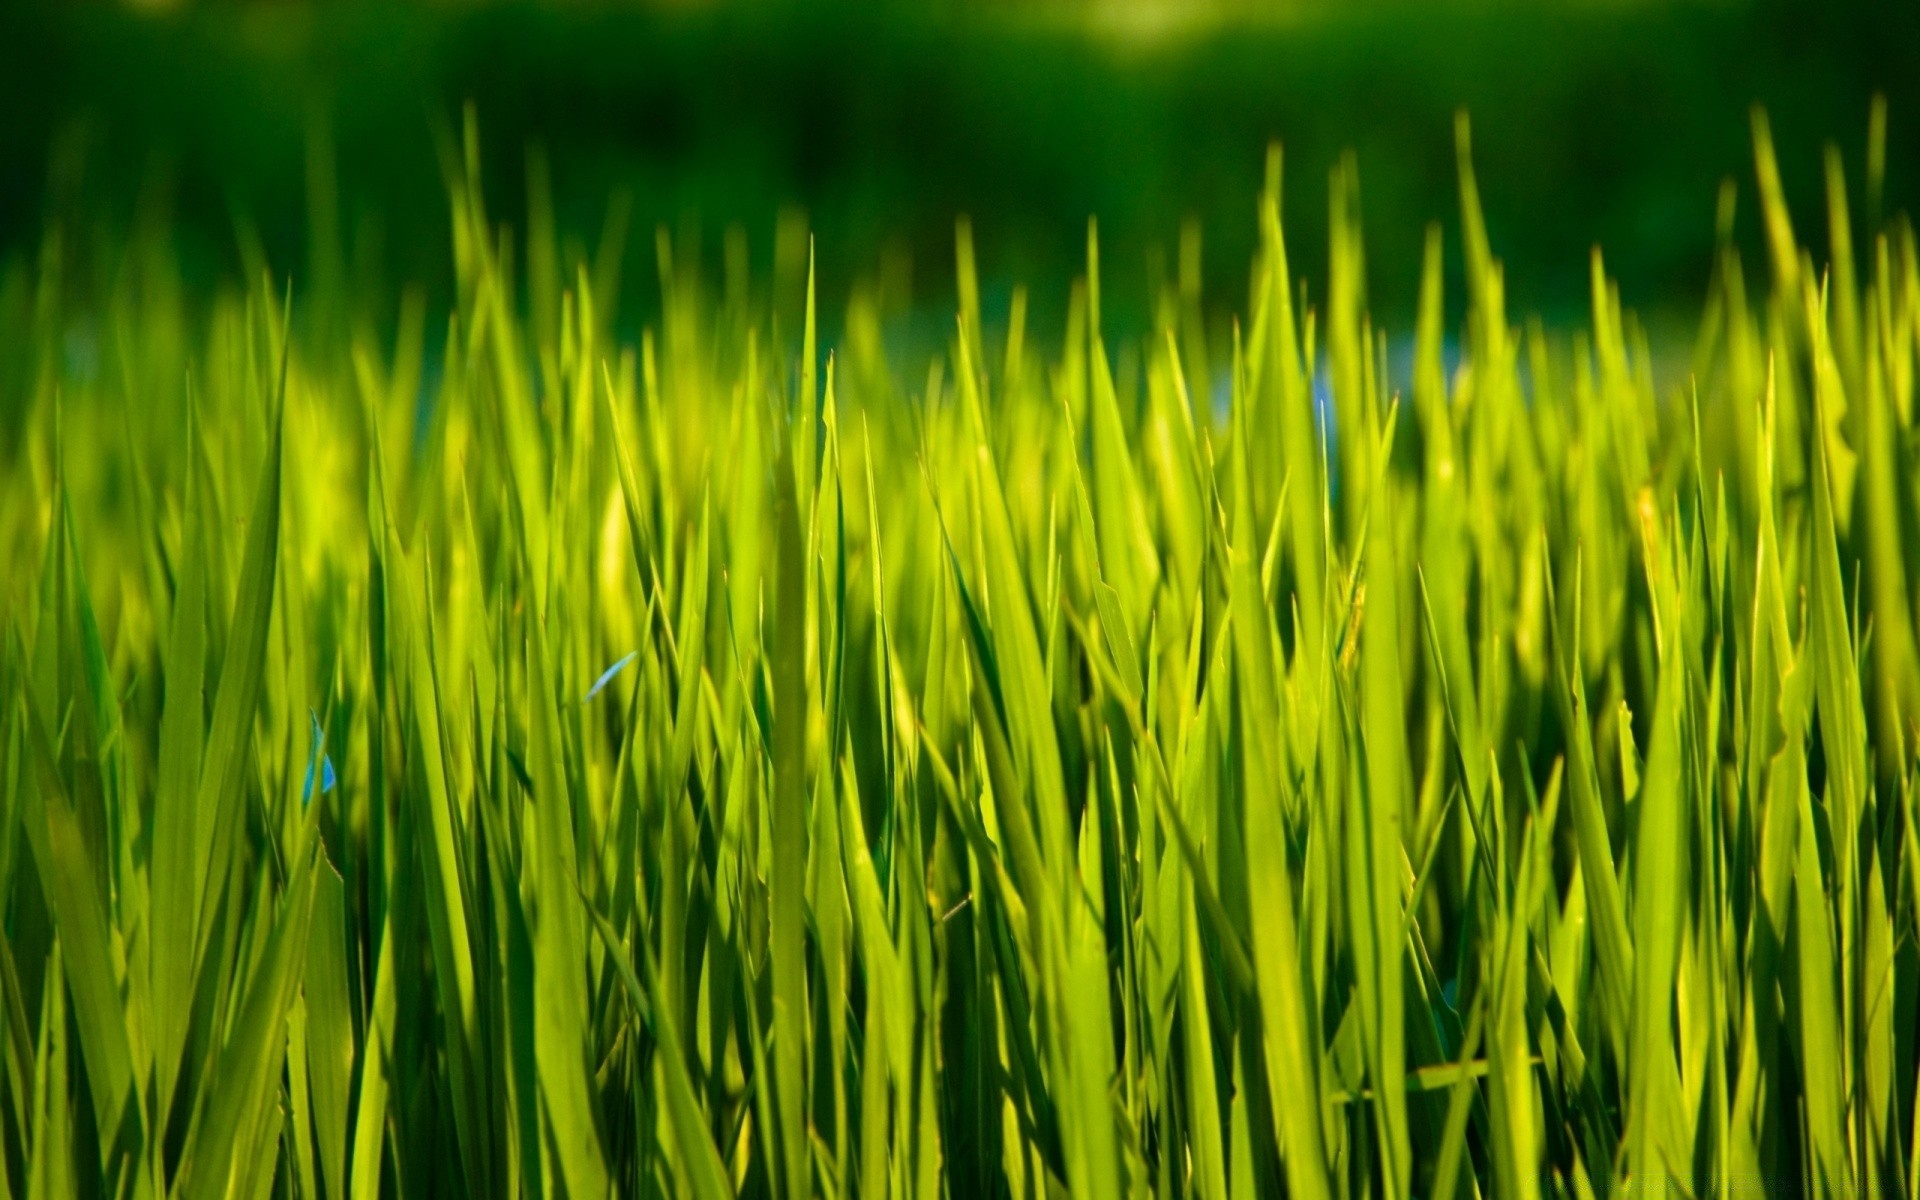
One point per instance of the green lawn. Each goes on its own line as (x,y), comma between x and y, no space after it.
(471,751)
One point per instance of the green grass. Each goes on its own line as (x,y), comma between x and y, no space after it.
(1020,775)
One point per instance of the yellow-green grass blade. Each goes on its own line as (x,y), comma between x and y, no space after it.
(791,718)
(225,1140)
(329,1040)
(174,876)
(1290,1041)
(81,916)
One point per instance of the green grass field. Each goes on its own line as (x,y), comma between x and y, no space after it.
(477,753)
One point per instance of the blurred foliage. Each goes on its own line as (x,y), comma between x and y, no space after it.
(1610,123)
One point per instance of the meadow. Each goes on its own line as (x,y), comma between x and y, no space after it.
(481,751)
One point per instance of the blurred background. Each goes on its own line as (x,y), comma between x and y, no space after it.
(317,137)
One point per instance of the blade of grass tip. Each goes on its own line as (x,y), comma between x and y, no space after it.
(808,431)
(1473,225)
(1896,657)
(1781,246)
(1291,1044)
(1845,289)
(692,640)
(1107,600)
(1303,463)
(1843,724)
(883,635)
(1128,555)
(789,821)
(1658,1131)
(242,674)
(174,876)
(631,496)
(330,1049)
(1384,801)
(967,283)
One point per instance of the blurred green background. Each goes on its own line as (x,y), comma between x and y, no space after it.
(1612,123)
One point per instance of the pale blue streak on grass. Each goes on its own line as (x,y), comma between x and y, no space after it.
(607,675)
(317,758)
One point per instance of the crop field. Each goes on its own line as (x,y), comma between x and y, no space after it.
(491,749)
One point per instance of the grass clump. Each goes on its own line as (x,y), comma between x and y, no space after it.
(715,767)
